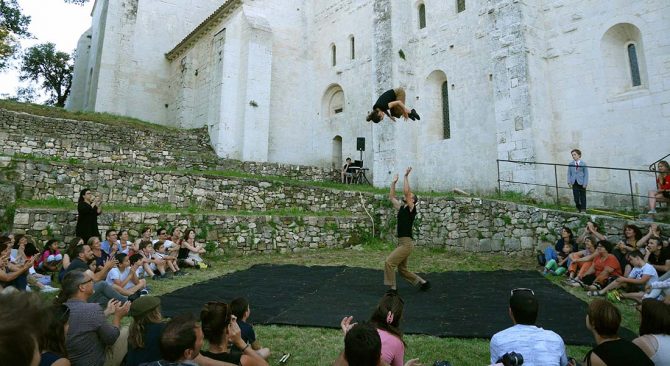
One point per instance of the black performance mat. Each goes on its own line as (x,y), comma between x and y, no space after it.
(459,304)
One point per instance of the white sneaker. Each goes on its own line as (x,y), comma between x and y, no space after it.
(48,288)
(651,211)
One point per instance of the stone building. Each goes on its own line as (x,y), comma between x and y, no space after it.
(291,81)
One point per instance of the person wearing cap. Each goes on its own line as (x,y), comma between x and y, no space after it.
(145,331)
(537,346)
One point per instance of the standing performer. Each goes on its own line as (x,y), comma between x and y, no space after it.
(578,179)
(392,100)
(88,209)
(398,258)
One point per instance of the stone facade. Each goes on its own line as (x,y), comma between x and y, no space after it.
(132,146)
(526,80)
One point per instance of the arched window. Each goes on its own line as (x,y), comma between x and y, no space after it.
(333,50)
(460,5)
(333,101)
(422,16)
(446,128)
(634,67)
(352,42)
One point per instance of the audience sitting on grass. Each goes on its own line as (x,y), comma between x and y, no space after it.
(662,194)
(658,256)
(590,230)
(21,327)
(89,331)
(552,252)
(175,238)
(537,346)
(145,331)
(631,235)
(221,329)
(123,278)
(190,251)
(124,244)
(170,261)
(12,275)
(634,284)
(581,261)
(240,308)
(659,290)
(362,345)
(386,318)
(50,259)
(53,351)
(69,252)
(103,291)
(603,320)
(605,268)
(654,339)
(559,266)
(110,245)
(145,235)
(99,255)
(150,264)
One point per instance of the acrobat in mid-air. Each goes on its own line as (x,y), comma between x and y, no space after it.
(392,104)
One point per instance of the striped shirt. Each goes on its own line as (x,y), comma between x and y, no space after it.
(538,347)
(89,334)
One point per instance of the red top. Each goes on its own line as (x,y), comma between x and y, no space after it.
(609,261)
(664,183)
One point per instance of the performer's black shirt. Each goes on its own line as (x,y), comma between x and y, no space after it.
(405,221)
(384,100)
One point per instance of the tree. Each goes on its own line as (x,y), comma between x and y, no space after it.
(53,69)
(13,26)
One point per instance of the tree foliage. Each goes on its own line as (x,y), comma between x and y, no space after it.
(13,26)
(78,2)
(51,69)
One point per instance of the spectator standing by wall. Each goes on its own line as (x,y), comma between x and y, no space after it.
(88,209)
(578,179)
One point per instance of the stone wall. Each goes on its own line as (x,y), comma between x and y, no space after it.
(247,234)
(132,146)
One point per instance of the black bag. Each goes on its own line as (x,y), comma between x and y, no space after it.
(541,260)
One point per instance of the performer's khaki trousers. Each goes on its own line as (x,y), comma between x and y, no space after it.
(398,258)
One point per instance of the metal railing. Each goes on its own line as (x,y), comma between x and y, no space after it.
(652,166)
(558,187)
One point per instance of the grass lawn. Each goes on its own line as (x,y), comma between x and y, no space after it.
(316,346)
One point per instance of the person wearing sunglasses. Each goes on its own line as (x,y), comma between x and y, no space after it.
(537,346)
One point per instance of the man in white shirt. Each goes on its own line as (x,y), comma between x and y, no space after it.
(538,346)
(641,274)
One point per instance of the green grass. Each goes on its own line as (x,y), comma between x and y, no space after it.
(318,346)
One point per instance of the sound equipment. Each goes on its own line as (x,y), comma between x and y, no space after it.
(360,143)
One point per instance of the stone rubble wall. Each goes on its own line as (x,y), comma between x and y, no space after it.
(245,234)
(98,143)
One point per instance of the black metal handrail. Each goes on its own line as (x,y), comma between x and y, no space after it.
(557,187)
(652,166)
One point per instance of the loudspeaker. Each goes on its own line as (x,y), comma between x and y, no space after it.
(360,143)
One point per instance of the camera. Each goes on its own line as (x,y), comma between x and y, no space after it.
(511,359)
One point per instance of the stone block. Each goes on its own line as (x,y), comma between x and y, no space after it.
(512,244)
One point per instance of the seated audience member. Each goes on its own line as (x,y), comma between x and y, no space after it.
(21,325)
(560,266)
(641,274)
(110,245)
(145,236)
(605,268)
(99,255)
(386,318)
(566,237)
(151,264)
(603,320)
(145,331)
(631,235)
(537,346)
(12,275)
(124,244)
(161,252)
(123,278)
(362,345)
(590,230)
(220,329)
(190,251)
(40,281)
(69,255)
(103,291)
(581,261)
(51,257)
(52,341)
(654,339)
(23,249)
(662,193)
(89,332)
(177,240)
(659,290)
(180,344)
(241,310)
(658,256)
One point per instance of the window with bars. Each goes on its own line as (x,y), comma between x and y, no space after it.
(446,128)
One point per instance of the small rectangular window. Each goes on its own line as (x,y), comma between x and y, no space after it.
(353,48)
(422,16)
(460,5)
(338,110)
(634,67)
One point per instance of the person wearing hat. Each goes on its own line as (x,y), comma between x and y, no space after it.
(537,346)
(145,331)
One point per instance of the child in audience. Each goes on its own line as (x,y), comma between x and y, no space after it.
(123,278)
(639,276)
(560,266)
(190,251)
(162,253)
(240,308)
(51,258)
(149,263)
(578,179)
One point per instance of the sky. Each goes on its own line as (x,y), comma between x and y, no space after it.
(51,21)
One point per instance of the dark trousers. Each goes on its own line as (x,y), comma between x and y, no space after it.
(20,282)
(579,193)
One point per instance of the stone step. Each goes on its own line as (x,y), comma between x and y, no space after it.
(242,233)
(130,145)
(41,180)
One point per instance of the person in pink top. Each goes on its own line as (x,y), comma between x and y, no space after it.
(386,318)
